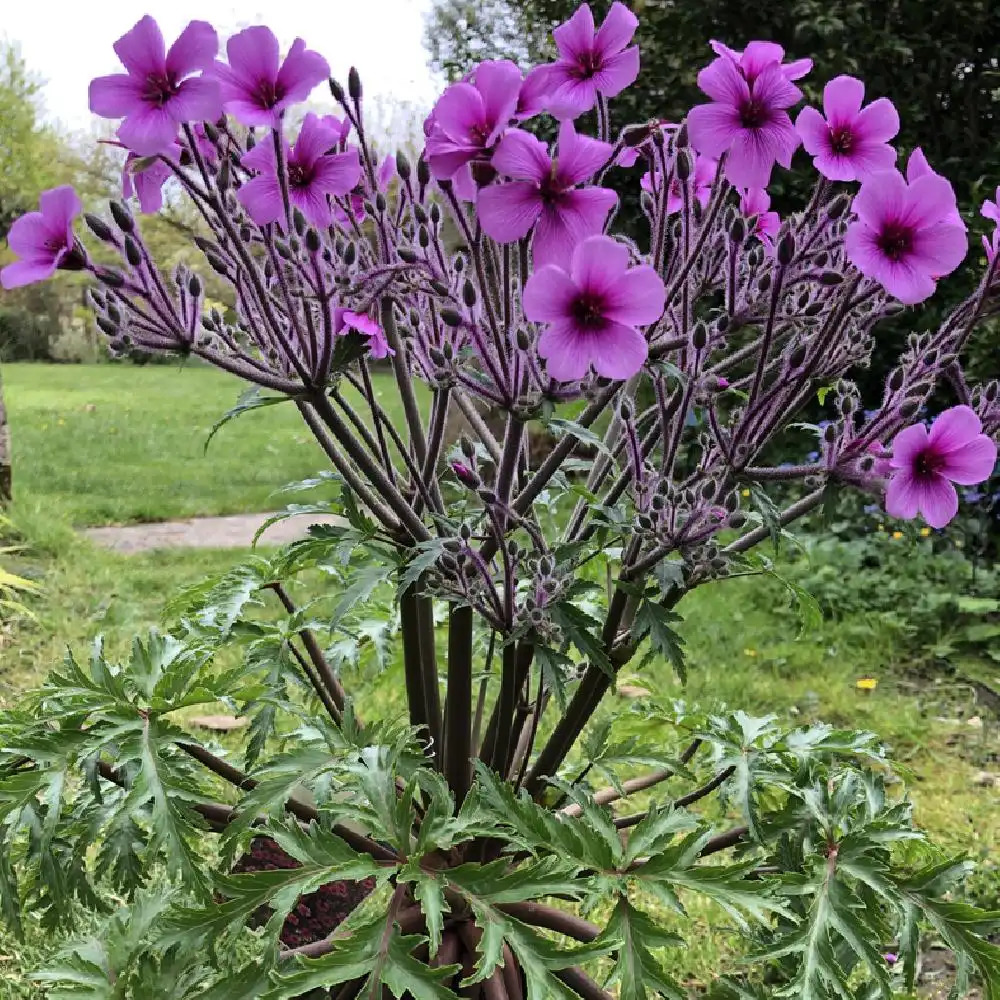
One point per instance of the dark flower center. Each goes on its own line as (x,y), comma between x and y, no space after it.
(267,93)
(895,241)
(299,175)
(754,113)
(588,64)
(927,464)
(160,88)
(588,311)
(841,140)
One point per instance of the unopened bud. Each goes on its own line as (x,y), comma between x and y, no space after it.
(402,166)
(797,357)
(423,237)
(469,293)
(110,277)
(736,519)
(299,221)
(680,140)
(467,447)
(439,287)
(838,206)
(450,316)
(194,286)
(738,231)
(634,135)
(337,91)
(423,173)
(683,165)
(380,203)
(99,227)
(420,213)
(830,278)
(122,216)
(224,177)
(407,254)
(350,254)
(523,340)
(830,433)
(354,85)
(435,213)
(313,242)
(106,326)
(786,249)
(813,309)
(699,336)
(217,264)
(908,408)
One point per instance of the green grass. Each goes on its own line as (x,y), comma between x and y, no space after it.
(137,455)
(110,444)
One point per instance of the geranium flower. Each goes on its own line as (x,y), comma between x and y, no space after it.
(903,237)
(851,143)
(757,202)
(747,119)
(991,210)
(44,239)
(257,86)
(378,346)
(144,177)
(312,175)
(917,167)
(544,193)
(469,118)
(925,465)
(591,61)
(758,55)
(158,93)
(592,311)
(703,177)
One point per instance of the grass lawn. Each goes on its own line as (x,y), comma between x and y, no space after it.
(100,444)
(109,444)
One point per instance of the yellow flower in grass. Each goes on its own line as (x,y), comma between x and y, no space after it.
(897,535)
(749,652)
(746,493)
(866,683)
(925,532)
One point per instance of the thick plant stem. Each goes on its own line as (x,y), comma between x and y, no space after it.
(506,704)
(525,654)
(539,915)
(403,381)
(581,984)
(429,674)
(409,623)
(458,732)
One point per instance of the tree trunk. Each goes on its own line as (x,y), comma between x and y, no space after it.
(5,455)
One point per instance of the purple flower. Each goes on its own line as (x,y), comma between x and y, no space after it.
(756,202)
(757,56)
(469,118)
(378,346)
(256,86)
(144,177)
(590,62)
(747,119)
(543,193)
(158,93)
(991,210)
(43,239)
(703,177)
(891,957)
(592,311)
(903,237)
(312,175)
(924,466)
(916,167)
(850,143)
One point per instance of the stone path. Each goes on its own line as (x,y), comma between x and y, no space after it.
(234,532)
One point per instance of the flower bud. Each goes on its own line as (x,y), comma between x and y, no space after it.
(420,213)
(469,293)
(635,135)
(423,237)
(380,203)
(644,522)
(699,336)
(450,317)
(722,322)
(224,177)
(299,222)
(312,240)
(250,141)
(683,165)
(838,206)
(111,277)
(337,91)
(738,231)
(439,287)
(458,263)
(245,233)
(786,249)
(350,254)
(423,173)
(407,255)
(830,433)
(99,227)
(830,278)
(122,216)
(354,85)
(435,213)
(523,340)
(736,519)
(217,264)
(797,357)
(106,326)
(467,447)
(820,259)
(194,286)
(680,140)
(483,173)
(402,166)
(813,309)
(908,408)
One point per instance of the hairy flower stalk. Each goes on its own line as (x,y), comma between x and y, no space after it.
(489,271)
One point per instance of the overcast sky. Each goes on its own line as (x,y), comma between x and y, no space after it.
(68,42)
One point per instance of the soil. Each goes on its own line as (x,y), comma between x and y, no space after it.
(233,532)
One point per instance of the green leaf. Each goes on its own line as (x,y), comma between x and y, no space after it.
(653,621)
(769,513)
(584,632)
(429,892)
(249,399)
(633,935)
(584,434)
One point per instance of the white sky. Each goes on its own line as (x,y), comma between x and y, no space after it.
(68,42)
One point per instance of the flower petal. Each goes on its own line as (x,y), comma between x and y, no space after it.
(522,155)
(902,496)
(570,96)
(972,463)
(60,206)
(882,197)
(499,83)
(254,54)
(566,351)
(907,446)
(564,224)
(758,56)
(508,211)
(637,297)
(938,500)
(338,173)
(314,139)
(575,37)
(616,31)
(548,295)
(939,249)
(773,89)
(115,96)
(842,98)
(198,99)
(618,72)
(954,428)
(813,130)
(148,131)
(712,128)
(195,49)
(459,110)
(301,71)
(722,81)
(579,156)
(261,197)
(26,272)
(618,351)
(598,263)
(879,122)
(142,50)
